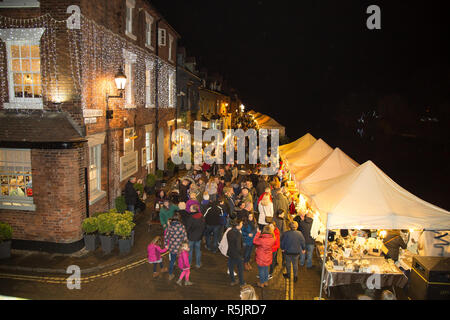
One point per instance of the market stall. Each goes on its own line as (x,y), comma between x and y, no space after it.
(366,198)
(342,195)
(335,164)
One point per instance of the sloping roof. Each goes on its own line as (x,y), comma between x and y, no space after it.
(38,127)
(335,164)
(367,198)
(311,155)
(298,145)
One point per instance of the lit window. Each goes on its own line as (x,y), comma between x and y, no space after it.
(95,173)
(171,89)
(128,140)
(16,179)
(149,102)
(130,61)
(24,67)
(129,19)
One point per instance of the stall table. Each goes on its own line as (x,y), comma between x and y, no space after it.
(334,278)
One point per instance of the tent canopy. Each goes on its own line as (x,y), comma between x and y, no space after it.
(367,198)
(266,122)
(335,164)
(298,145)
(297,161)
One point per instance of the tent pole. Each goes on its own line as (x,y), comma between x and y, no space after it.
(323,262)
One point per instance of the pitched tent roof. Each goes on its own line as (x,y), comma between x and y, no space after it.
(266,122)
(335,164)
(297,161)
(298,145)
(367,198)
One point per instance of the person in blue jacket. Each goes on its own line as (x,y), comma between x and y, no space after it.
(248,230)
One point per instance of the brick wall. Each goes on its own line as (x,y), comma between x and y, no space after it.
(59,196)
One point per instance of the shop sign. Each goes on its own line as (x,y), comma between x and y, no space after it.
(89,113)
(90,120)
(128,165)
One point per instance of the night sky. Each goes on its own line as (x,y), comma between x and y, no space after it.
(309,56)
(304,62)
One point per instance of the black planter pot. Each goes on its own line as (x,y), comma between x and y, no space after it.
(124,246)
(108,243)
(91,242)
(5,249)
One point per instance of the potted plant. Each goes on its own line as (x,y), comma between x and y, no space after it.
(106,229)
(90,228)
(5,240)
(121,205)
(129,216)
(123,230)
(159,179)
(150,183)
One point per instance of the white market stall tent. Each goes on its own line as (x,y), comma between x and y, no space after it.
(298,145)
(298,161)
(335,164)
(266,122)
(367,198)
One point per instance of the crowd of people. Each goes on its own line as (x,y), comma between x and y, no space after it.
(236,211)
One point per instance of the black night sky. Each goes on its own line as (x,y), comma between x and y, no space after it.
(304,62)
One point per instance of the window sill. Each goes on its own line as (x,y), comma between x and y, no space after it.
(130,106)
(7,205)
(38,105)
(97,196)
(130,35)
(149,106)
(149,47)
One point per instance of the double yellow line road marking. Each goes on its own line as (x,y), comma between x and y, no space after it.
(62,280)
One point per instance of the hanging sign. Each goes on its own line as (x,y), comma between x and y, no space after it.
(128,165)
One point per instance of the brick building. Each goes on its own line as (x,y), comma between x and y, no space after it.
(65,149)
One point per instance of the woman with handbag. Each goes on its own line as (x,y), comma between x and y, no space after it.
(265,208)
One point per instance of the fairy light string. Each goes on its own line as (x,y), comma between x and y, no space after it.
(95,56)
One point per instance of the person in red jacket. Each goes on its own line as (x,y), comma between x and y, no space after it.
(264,242)
(275,247)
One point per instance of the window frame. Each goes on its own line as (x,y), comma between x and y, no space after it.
(149,97)
(171,39)
(162,37)
(129,66)
(131,131)
(148,31)
(97,192)
(129,6)
(21,36)
(172,90)
(25,203)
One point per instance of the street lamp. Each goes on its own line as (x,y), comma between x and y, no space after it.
(120,80)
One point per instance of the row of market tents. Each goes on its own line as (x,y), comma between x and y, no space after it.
(348,195)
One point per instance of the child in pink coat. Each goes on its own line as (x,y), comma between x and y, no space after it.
(183,264)
(154,255)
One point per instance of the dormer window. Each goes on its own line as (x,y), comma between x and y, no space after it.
(130,4)
(148,30)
